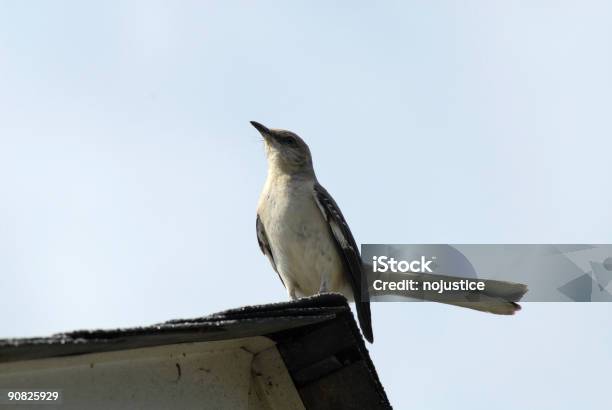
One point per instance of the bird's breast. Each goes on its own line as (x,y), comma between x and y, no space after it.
(299,237)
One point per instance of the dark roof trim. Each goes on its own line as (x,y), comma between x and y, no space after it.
(317,337)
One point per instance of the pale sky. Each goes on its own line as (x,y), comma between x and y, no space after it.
(129,173)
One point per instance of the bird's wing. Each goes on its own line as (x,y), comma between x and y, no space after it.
(349,252)
(264,245)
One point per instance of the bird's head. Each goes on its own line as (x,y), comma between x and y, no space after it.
(286,152)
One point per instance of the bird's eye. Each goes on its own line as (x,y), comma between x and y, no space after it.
(290,142)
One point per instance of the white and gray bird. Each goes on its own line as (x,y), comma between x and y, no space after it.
(304,235)
(302,231)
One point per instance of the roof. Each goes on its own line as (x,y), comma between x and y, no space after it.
(317,338)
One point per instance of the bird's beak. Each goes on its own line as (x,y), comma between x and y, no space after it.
(263,130)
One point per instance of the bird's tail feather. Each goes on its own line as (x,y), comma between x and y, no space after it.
(498,297)
(365,320)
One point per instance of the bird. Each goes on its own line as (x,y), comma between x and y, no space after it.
(306,238)
(302,231)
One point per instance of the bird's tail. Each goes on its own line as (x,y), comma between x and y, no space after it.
(498,297)
(365,320)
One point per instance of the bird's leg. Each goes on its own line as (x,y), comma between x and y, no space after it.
(324,288)
(291,292)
